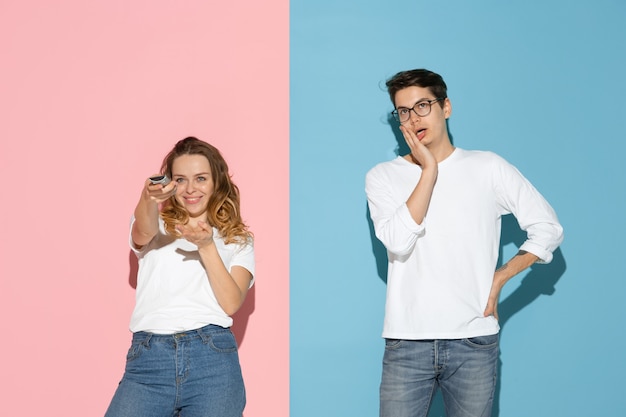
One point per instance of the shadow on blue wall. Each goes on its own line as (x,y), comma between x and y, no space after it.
(540,280)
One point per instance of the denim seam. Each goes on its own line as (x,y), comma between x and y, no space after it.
(471,344)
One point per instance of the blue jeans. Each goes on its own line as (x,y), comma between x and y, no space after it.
(464,370)
(192,374)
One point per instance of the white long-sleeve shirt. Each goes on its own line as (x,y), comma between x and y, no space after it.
(440,272)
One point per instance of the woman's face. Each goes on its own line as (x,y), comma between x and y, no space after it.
(194,182)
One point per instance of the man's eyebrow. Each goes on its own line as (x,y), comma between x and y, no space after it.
(418,101)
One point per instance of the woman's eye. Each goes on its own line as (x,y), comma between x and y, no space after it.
(179,180)
(201,178)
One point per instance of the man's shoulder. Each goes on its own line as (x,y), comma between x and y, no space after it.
(481,157)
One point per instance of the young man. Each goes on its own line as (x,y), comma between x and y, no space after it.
(438,212)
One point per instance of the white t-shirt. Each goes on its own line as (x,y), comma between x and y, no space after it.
(440,272)
(173,291)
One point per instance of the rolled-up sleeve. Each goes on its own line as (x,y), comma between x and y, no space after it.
(393,223)
(534,214)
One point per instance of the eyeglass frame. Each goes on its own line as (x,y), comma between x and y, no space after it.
(396,115)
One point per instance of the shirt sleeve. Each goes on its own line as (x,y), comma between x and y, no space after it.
(516,195)
(132,245)
(140,251)
(244,257)
(393,223)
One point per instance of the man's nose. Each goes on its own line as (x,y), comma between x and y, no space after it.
(413,116)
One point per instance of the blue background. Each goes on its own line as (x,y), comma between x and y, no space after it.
(540,83)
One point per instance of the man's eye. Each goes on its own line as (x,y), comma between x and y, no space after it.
(403,111)
(422,105)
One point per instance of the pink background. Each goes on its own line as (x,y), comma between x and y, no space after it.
(93,94)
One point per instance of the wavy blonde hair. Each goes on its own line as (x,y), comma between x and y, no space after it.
(223,211)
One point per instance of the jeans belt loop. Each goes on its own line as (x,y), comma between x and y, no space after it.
(146,341)
(203,335)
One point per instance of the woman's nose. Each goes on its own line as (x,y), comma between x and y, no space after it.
(189,187)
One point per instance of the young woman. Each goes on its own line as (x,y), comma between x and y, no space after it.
(196,264)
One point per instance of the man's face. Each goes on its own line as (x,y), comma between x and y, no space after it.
(430,129)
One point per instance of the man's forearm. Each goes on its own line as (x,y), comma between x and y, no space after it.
(515,265)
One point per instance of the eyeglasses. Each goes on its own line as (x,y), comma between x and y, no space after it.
(421,108)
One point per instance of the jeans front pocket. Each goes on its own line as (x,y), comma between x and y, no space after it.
(392,343)
(134,351)
(483,342)
(223,341)
(138,345)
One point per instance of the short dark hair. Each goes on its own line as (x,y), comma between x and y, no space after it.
(417,78)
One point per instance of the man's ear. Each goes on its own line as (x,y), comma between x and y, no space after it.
(447,108)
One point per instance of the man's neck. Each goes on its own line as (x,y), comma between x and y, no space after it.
(442,151)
